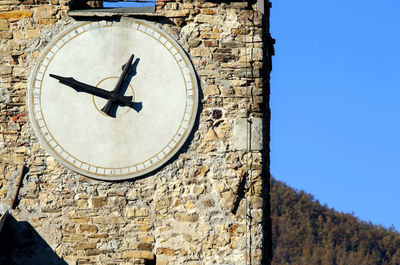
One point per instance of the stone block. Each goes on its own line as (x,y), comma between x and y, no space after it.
(47,21)
(129,211)
(79,220)
(176,13)
(142,212)
(187,6)
(98,202)
(211,135)
(4,25)
(20,150)
(108,220)
(16,14)
(162,203)
(210,35)
(208,73)
(45,11)
(85,246)
(137,254)
(166,251)
(227,91)
(198,190)
(88,228)
(211,90)
(194,43)
(82,204)
(5,35)
(73,238)
(208,203)
(132,194)
(208,11)
(203,52)
(12,159)
(116,192)
(187,217)
(98,236)
(210,43)
(32,33)
(5,69)
(27,202)
(18,35)
(145,246)
(92,252)
(145,228)
(146,239)
(209,19)
(231,44)
(248,134)
(189,205)
(221,57)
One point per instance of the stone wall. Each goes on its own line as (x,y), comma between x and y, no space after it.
(206,206)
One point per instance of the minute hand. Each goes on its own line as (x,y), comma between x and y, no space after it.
(79,86)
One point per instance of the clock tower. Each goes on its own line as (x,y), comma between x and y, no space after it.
(135,135)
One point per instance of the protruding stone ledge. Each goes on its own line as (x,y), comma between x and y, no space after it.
(92,13)
(112,12)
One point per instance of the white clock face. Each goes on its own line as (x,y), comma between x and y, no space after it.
(135,139)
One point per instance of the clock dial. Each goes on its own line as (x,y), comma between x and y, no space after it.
(76,125)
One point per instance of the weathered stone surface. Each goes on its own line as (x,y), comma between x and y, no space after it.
(97,202)
(18,35)
(185,217)
(146,239)
(5,69)
(175,13)
(211,90)
(209,19)
(12,159)
(32,33)
(166,251)
(138,255)
(88,228)
(108,220)
(16,14)
(4,25)
(44,12)
(179,214)
(249,134)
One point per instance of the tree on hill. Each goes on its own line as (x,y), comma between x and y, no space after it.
(306,232)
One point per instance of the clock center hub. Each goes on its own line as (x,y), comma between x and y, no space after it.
(108,83)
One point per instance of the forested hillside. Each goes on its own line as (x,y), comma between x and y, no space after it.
(306,232)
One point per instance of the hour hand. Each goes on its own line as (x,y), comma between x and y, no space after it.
(82,87)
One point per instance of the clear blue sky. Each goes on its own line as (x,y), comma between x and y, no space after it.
(128,3)
(335,102)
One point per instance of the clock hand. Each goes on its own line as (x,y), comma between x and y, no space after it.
(125,70)
(79,86)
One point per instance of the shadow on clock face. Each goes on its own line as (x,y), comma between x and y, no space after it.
(137,106)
